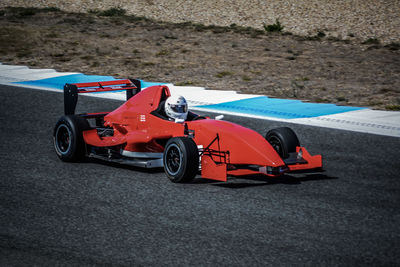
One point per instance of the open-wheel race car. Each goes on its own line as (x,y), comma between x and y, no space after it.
(143,133)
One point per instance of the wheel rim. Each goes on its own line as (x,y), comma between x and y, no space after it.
(173,159)
(63,139)
(276,144)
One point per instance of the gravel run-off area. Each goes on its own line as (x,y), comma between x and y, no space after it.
(344,19)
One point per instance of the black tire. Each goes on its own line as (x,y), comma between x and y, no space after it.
(68,138)
(181,159)
(284,140)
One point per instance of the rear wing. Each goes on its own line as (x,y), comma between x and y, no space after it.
(71,91)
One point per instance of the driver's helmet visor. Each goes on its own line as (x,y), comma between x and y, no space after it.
(179,108)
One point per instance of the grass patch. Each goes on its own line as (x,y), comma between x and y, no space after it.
(105,35)
(214,28)
(52,35)
(276,27)
(371,41)
(221,29)
(392,107)
(50,9)
(185,24)
(163,52)
(321,100)
(170,37)
(222,74)
(393,46)
(112,12)
(256,72)
(21,11)
(58,55)
(321,34)
(246,78)
(118,13)
(26,12)
(148,64)
(318,37)
(73,43)
(246,30)
(62,59)
(313,38)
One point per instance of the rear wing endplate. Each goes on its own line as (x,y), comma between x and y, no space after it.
(71,91)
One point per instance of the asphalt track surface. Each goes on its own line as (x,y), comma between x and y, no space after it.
(92,213)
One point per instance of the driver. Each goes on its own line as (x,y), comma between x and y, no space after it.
(176,108)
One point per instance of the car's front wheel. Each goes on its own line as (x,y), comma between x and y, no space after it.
(284,140)
(68,139)
(181,159)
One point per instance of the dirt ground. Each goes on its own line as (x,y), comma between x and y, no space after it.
(276,64)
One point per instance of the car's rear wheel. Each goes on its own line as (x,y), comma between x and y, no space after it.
(68,139)
(181,159)
(284,140)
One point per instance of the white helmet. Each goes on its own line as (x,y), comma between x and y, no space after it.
(176,107)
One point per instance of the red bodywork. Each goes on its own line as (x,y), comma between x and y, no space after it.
(227,148)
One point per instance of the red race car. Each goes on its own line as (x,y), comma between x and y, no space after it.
(153,129)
